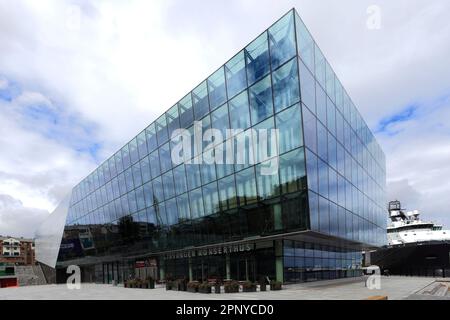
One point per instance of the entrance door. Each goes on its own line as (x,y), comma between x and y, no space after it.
(246,269)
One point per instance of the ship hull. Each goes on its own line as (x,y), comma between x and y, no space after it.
(417,259)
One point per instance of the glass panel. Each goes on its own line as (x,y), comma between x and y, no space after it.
(307,88)
(292,171)
(161,130)
(217,90)
(311,167)
(239,112)
(172,212)
(158,191)
(152,141)
(219,120)
(323,178)
(261,105)
(118,160)
(186,111)
(132,202)
(180,179)
(257,56)
(305,44)
(193,176)
(169,186)
(236,75)
(286,86)
(324,215)
(137,175)
(196,202)
(227,193)
(112,167)
(268,185)
(211,199)
(134,155)
(142,145)
(322,141)
(246,186)
(208,172)
(331,115)
(200,101)
(330,82)
(320,66)
(173,121)
(155,168)
(282,40)
(129,179)
(321,104)
(126,157)
(165,157)
(145,170)
(263,150)
(140,198)
(290,130)
(184,210)
(310,129)
(148,194)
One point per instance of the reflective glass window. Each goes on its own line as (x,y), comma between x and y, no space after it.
(322,141)
(145,170)
(323,178)
(313,213)
(193,176)
(292,171)
(165,157)
(268,185)
(137,177)
(330,82)
(261,104)
(310,129)
(246,186)
(142,145)
(152,141)
(307,88)
(129,179)
(290,131)
(311,169)
(172,212)
(122,184)
(196,202)
(200,101)
(257,56)
(332,151)
(320,63)
(126,157)
(169,186)
(321,105)
(227,193)
(211,199)
(148,194)
(186,111)
(112,167)
(208,172)
(220,121)
(155,168)
(331,117)
(305,44)
(179,175)
(158,191)
(285,85)
(236,74)
(140,199)
(282,40)
(333,185)
(173,120)
(184,210)
(132,202)
(161,130)
(118,161)
(239,112)
(324,215)
(217,90)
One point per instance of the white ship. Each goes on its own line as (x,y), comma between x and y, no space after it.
(406,227)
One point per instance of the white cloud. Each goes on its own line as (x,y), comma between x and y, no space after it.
(115,66)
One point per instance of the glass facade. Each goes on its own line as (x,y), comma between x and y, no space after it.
(330,181)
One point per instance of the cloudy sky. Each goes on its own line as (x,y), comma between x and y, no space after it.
(78,79)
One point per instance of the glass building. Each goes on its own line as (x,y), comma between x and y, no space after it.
(139,214)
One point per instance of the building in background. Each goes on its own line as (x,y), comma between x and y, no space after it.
(308,221)
(17,251)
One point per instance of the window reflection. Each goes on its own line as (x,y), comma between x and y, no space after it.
(257,56)
(282,40)
(236,74)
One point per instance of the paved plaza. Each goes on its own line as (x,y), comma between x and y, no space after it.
(396,288)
